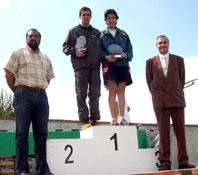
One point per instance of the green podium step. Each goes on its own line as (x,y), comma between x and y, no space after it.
(7,140)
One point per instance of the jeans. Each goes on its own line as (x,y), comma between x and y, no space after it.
(31,106)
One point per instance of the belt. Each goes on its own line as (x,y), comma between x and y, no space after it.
(30,88)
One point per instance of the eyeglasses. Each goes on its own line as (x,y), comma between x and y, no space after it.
(164,42)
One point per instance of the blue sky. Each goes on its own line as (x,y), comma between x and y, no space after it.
(143,20)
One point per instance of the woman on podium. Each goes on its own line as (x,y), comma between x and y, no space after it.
(116,52)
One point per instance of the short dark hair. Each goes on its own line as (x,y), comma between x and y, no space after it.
(110,11)
(162,36)
(34,30)
(84,9)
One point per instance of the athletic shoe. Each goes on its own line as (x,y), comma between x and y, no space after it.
(85,126)
(114,122)
(124,122)
(94,123)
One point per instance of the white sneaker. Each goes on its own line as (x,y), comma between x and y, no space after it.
(124,122)
(114,122)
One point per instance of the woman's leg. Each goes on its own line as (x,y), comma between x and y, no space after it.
(112,85)
(121,99)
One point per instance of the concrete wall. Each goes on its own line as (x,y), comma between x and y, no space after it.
(66,125)
(8,124)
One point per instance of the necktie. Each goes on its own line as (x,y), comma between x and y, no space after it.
(165,66)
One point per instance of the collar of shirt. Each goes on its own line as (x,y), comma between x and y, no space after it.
(107,30)
(166,55)
(89,27)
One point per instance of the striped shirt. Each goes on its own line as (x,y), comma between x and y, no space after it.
(33,69)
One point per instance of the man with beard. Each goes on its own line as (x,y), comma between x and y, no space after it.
(165,76)
(28,74)
(82,43)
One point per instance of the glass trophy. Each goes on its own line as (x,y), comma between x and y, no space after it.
(116,51)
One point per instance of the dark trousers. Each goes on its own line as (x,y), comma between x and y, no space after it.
(163,120)
(87,82)
(31,106)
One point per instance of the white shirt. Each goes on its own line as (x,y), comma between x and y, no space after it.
(113,32)
(162,61)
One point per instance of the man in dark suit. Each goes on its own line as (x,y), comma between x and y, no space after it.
(165,75)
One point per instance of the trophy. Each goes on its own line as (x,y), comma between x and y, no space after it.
(116,51)
(80,43)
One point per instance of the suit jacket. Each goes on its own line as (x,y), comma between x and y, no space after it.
(166,91)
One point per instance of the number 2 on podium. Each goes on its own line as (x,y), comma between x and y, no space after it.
(114,137)
(71,151)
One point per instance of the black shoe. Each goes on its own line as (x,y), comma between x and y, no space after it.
(94,123)
(22,173)
(45,173)
(164,168)
(186,166)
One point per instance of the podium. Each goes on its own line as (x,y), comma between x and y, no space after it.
(103,150)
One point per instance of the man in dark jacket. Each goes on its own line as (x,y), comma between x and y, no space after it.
(165,76)
(82,43)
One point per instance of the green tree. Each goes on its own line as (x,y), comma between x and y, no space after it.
(6,104)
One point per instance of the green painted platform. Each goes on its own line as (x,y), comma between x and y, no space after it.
(7,140)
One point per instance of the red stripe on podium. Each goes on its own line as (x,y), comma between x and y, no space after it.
(193,171)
